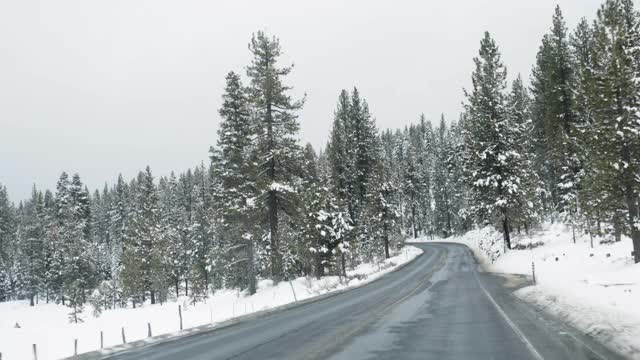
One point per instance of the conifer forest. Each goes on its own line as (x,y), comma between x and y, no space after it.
(561,144)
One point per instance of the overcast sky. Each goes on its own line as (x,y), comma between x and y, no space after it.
(108,87)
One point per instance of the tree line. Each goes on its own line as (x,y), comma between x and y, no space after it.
(565,148)
(568,148)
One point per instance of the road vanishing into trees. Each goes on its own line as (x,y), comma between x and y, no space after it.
(437,307)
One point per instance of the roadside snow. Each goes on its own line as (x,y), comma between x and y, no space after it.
(47,325)
(594,289)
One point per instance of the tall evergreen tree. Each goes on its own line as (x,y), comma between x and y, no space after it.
(234,165)
(277,128)
(616,103)
(555,123)
(492,163)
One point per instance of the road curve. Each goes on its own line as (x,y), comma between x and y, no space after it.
(437,307)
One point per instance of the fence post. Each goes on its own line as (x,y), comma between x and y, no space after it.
(101,340)
(295,298)
(149,329)
(35,352)
(75,347)
(124,339)
(180,314)
(533,271)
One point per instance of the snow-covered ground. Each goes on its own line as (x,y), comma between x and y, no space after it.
(594,289)
(47,325)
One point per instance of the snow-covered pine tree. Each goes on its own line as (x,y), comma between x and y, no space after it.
(412,181)
(492,164)
(528,206)
(277,127)
(173,223)
(443,182)
(555,122)
(200,235)
(594,207)
(426,151)
(142,257)
(7,244)
(30,243)
(340,156)
(354,153)
(235,168)
(616,104)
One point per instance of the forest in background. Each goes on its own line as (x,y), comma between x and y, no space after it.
(564,148)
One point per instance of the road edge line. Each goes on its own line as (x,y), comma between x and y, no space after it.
(511,324)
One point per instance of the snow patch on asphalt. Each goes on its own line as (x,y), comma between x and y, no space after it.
(47,325)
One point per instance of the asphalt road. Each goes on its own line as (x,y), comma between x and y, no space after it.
(437,307)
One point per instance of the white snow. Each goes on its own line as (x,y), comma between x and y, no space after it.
(47,325)
(594,289)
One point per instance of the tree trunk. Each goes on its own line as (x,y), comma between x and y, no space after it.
(186,287)
(505,228)
(385,231)
(153,297)
(177,288)
(632,205)
(31,300)
(276,260)
(617,227)
(251,271)
(319,267)
(415,232)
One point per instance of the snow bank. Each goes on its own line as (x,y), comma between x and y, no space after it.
(594,289)
(47,325)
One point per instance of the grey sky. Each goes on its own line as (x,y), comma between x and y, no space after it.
(103,87)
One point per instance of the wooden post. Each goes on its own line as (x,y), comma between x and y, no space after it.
(295,298)
(180,314)
(149,330)
(101,340)
(35,352)
(533,271)
(124,338)
(75,347)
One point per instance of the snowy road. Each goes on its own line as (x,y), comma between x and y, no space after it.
(437,307)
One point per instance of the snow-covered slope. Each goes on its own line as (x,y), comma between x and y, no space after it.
(47,325)
(594,289)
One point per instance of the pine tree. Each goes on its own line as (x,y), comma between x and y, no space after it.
(142,255)
(30,242)
(7,244)
(354,153)
(492,163)
(201,235)
(527,208)
(555,122)
(616,103)
(235,168)
(277,128)
(426,149)
(173,223)
(443,182)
